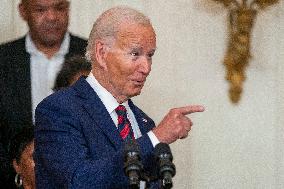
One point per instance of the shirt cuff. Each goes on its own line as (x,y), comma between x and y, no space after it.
(153,138)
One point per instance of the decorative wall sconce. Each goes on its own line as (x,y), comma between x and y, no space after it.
(241,19)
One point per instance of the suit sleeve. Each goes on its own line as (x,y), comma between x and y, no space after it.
(63,157)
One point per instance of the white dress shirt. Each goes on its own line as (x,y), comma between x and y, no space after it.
(44,70)
(110,103)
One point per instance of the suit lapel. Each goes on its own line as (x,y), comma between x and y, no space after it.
(22,82)
(98,112)
(144,122)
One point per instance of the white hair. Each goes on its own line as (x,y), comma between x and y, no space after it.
(108,24)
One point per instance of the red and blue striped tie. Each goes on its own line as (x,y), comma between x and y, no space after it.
(124,126)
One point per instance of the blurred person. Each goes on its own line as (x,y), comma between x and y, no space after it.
(81,132)
(29,65)
(21,156)
(71,71)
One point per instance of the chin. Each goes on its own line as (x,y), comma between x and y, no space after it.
(133,91)
(136,93)
(53,40)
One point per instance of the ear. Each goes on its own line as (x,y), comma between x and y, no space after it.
(23,11)
(16,167)
(100,53)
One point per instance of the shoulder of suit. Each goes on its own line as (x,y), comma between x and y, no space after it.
(64,98)
(77,39)
(14,45)
(10,51)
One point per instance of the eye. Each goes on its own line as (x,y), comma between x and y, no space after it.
(62,7)
(134,53)
(150,55)
(39,9)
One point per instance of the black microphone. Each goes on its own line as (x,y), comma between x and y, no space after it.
(167,169)
(132,164)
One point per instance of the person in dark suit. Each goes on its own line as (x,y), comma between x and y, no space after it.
(29,65)
(81,131)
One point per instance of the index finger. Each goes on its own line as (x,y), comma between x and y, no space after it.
(191,109)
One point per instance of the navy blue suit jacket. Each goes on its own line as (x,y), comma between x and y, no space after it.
(77,144)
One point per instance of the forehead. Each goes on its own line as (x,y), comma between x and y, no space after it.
(136,34)
(45,2)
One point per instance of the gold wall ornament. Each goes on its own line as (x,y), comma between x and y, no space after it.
(242,15)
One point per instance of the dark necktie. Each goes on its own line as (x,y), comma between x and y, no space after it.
(124,126)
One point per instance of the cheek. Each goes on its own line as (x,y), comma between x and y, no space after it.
(29,169)
(120,69)
(37,24)
(28,164)
(117,67)
(124,73)
(63,19)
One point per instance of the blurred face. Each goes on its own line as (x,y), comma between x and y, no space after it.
(26,166)
(47,20)
(129,60)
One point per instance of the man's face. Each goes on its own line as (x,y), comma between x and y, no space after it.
(47,20)
(129,60)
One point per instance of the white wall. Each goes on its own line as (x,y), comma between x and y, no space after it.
(230,146)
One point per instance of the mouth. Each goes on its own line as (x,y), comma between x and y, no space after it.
(52,27)
(139,82)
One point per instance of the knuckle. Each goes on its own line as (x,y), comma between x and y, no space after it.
(188,129)
(180,131)
(178,122)
(173,111)
(188,120)
(177,132)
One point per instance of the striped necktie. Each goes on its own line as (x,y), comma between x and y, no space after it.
(124,126)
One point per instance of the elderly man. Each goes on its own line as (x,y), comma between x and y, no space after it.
(80,132)
(29,65)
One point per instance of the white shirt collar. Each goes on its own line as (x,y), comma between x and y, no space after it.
(31,48)
(106,97)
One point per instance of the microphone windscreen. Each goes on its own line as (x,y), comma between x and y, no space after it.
(131,146)
(162,148)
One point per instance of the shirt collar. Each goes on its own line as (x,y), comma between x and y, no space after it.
(106,97)
(31,48)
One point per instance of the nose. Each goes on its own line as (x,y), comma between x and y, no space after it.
(145,65)
(51,14)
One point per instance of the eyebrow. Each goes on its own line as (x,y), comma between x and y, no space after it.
(134,47)
(154,49)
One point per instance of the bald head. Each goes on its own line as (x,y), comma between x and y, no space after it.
(109,24)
